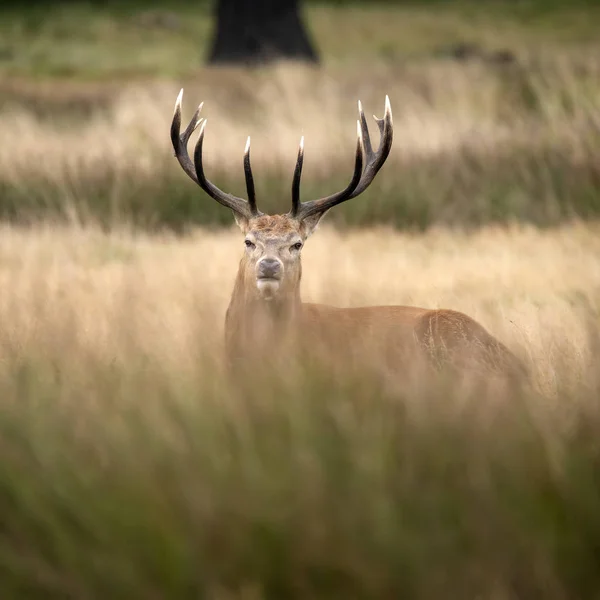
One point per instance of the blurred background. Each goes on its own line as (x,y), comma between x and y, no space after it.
(495,106)
(132,466)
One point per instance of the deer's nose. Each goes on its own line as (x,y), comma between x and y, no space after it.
(269,268)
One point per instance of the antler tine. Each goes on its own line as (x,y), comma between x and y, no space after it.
(375,160)
(238,205)
(180,141)
(249,180)
(296,181)
(195,170)
(306,209)
(365,130)
(361,178)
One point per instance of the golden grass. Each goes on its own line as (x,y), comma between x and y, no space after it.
(117,159)
(130,469)
(276,107)
(119,142)
(130,464)
(72,293)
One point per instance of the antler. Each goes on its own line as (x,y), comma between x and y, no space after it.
(361,178)
(195,170)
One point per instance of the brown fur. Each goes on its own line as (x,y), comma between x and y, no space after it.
(276,225)
(392,339)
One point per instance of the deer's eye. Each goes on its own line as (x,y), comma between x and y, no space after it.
(297,246)
(249,244)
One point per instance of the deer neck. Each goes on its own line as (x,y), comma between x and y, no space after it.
(253,324)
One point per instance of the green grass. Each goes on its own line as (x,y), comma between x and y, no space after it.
(83,41)
(542,188)
(157,487)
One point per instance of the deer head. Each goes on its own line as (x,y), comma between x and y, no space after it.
(271,267)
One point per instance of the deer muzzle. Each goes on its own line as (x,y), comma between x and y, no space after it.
(269,268)
(269,272)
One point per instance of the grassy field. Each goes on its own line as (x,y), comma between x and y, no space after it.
(142,39)
(133,468)
(472,146)
(475,141)
(163,295)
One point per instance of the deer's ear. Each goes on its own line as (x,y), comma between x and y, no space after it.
(242,222)
(310,224)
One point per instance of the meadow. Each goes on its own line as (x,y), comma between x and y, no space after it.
(133,468)
(477,141)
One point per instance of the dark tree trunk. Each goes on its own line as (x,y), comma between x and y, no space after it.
(259,31)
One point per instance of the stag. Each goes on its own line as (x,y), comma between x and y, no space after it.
(266,316)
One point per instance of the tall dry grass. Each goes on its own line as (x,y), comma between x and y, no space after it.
(131,467)
(72,289)
(473,143)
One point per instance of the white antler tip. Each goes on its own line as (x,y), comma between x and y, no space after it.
(360,108)
(199,119)
(247,146)
(388,106)
(302,144)
(179,99)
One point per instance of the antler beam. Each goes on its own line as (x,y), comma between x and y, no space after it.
(195,170)
(361,178)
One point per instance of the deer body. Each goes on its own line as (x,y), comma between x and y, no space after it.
(267,322)
(261,330)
